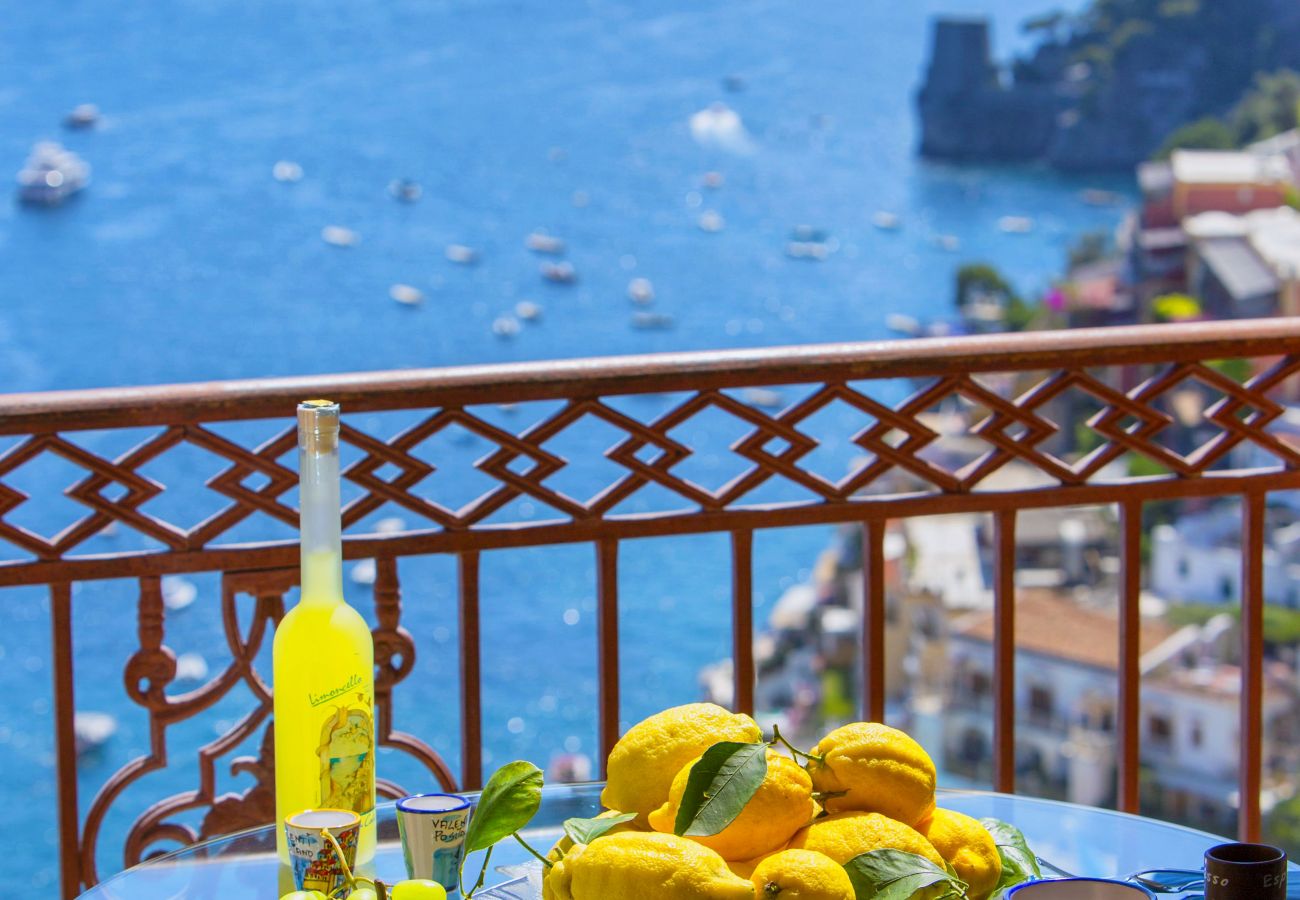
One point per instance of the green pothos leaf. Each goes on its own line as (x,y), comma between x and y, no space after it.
(508,803)
(897,875)
(719,786)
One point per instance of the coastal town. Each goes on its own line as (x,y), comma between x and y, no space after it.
(1214,236)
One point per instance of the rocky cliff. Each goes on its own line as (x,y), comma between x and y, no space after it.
(1102,90)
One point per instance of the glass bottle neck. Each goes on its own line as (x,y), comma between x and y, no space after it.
(319,518)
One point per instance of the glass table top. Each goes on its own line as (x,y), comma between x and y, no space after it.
(1077,839)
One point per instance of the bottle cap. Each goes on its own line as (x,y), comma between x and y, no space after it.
(318,426)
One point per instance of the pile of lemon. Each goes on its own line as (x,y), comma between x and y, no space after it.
(876,786)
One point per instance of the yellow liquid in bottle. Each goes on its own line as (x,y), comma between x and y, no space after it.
(324,709)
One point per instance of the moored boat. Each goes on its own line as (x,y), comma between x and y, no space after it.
(51,175)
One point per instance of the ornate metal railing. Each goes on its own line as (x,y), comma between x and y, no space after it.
(1009,388)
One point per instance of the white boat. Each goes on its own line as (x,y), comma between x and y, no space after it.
(569,768)
(92,730)
(286,171)
(711,221)
(641,291)
(1015,224)
(390,525)
(83,115)
(364,572)
(814,250)
(51,175)
(765,398)
(461,254)
(903,324)
(559,273)
(406,294)
(528,310)
(652,321)
(886,221)
(338,236)
(505,327)
(177,593)
(541,242)
(405,189)
(191,667)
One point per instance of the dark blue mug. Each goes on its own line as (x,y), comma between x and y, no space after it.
(1245,872)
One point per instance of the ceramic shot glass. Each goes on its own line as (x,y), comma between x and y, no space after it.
(1079,889)
(1245,872)
(315,861)
(433,836)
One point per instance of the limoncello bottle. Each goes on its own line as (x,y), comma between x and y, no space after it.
(323,658)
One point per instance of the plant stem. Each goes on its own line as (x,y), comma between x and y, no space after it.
(545,862)
(778,738)
(482,873)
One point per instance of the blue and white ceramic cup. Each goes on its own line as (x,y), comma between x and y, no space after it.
(1079,889)
(433,836)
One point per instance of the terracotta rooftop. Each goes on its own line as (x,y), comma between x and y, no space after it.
(1051,624)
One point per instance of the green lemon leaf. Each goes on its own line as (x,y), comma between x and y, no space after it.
(897,875)
(584,831)
(507,804)
(719,786)
(1019,863)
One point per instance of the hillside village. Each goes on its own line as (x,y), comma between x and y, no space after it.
(1216,236)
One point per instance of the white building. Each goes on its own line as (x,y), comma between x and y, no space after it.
(1199,560)
(1067,660)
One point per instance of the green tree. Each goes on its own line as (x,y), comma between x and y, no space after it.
(1283,826)
(1281,624)
(1208,133)
(1050,24)
(982,281)
(1270,107)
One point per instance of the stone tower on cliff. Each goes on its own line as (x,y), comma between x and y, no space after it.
(967,113)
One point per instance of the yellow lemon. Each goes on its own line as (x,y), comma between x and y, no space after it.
(876,769)
(643,865)
(801,875)
(846,835)
(971,850)
(644,762)
(781,806)
(565,843)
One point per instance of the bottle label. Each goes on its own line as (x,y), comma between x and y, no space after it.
(346,751)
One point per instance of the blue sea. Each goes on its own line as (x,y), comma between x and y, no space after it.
(186,260)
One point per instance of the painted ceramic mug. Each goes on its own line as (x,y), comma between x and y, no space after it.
(315,859)
(433,830)
(1079,889)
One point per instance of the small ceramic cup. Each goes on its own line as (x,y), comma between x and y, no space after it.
(1245,872)
(1079,889)
(316,863)
(433,830)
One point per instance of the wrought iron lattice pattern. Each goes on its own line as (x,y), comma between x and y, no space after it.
(900,472)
